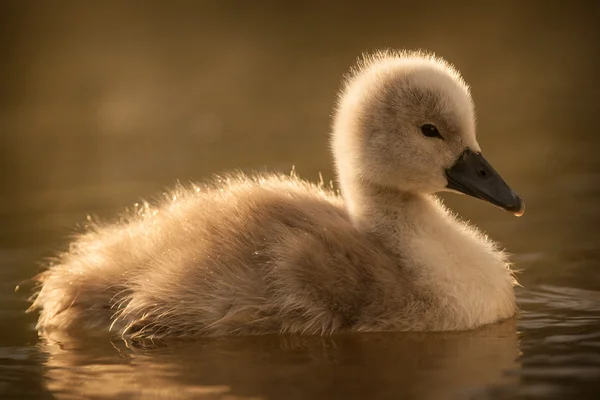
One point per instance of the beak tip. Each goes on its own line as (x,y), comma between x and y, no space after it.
(519,209)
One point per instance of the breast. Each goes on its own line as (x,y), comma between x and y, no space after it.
(464,271)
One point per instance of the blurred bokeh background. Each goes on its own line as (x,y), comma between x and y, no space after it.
(106,102)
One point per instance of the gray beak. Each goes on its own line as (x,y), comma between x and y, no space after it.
(471,174)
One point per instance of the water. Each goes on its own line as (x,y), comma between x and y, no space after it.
(103,105)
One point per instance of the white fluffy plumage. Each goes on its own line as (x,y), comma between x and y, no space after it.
(275,254)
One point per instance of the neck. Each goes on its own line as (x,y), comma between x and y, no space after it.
(462,269)
(385,212)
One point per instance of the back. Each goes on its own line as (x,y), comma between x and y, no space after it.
(246,256)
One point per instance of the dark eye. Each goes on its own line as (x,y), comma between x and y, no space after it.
(430,131)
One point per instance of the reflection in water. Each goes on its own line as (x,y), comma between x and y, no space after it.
(424,366)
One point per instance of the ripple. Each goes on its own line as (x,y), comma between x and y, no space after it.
(560,298)
(571,338)
(578,373)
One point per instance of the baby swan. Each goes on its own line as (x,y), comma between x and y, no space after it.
(275,254)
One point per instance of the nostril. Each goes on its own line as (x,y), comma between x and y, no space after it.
(482,173)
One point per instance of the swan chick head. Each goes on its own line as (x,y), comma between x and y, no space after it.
(406,120)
